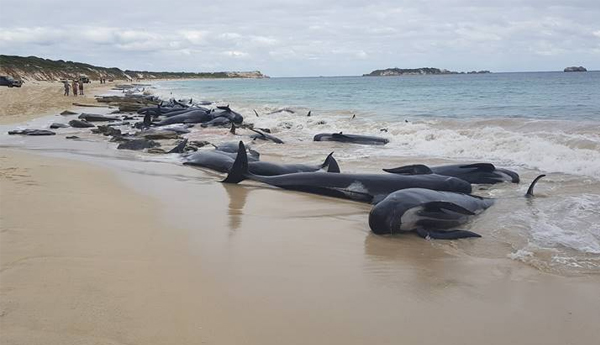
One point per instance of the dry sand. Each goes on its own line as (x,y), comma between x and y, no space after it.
(38,98)
(86,259)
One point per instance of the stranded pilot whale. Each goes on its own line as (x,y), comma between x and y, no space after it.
(478,173)
(351,138)
(432,214)
(222,162)
(369,188)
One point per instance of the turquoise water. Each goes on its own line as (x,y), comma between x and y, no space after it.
(548,95)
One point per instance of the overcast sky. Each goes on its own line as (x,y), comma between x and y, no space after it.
(306,37)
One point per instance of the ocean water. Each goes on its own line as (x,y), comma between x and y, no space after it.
(532,123)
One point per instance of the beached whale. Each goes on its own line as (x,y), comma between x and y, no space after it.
(218,121)
(351,138)
(194,116)
(260,135)
(479,173)
(428,212)
(225,111)
(222,162)
(432,214)
(232,148)
(370,188)
(159,110)
(180,111)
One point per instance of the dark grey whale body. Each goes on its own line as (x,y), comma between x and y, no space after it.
(260,135)
(478,173)
(217,121)
(210,159)
(223,161)
(351,138)
(426,211)
(369,188)
(193,116)
(432,214)
(225,111)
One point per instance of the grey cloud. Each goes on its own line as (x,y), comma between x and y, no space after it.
(307,37)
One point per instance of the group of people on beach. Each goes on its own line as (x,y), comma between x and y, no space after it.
(77,86)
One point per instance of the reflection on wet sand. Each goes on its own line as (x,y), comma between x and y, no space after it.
(237,200)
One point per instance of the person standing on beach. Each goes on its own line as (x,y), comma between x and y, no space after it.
(75,87)
(67,87)
(81,88)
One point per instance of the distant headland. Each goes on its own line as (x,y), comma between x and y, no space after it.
(575,69)
(35,68)
(416,71)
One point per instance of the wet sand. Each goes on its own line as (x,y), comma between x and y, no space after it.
(118,251)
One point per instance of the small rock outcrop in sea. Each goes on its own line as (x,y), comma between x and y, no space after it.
(575,69)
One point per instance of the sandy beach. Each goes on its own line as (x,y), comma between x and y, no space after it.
(37,98)
(121,252)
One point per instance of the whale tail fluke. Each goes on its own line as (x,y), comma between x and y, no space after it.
(239,170)
(331,164)
(529,193)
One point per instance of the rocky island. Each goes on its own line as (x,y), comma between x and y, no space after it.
(416,71)
(575,69)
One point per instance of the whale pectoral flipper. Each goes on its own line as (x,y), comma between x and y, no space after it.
(415,169)
(439,205)
(446,235)
(488,167)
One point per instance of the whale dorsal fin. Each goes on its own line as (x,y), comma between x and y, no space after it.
(488,167)
(415,169)
(331,164)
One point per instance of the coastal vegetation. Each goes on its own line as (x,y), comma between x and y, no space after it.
(35,68)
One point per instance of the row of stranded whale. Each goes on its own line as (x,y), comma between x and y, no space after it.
(429,201)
